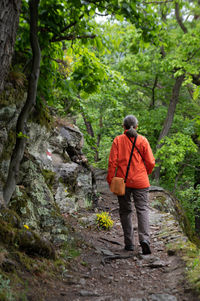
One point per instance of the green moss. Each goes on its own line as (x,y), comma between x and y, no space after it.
(20,203)
(9,145)
(159,203)
(49,177)
(26,240)
(59,262)
(7,232)
(190,254)
(55,213)
(22,258)
(11,217)
(11,96)
(32,244)
(185,223)
(43,116)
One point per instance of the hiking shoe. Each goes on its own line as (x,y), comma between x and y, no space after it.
(145,247)
(129,248)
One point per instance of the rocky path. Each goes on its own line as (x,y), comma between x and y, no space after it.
(96,275)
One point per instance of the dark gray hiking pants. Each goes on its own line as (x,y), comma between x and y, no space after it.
(140,198)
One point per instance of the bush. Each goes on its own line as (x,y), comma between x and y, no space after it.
(104,221)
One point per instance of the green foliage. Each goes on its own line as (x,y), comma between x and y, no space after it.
(88,72)
(104,221)
(21,135)
(197,126)
(190,199)
(196,92)
(172,153)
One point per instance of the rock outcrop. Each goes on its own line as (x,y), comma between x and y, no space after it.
(54,178)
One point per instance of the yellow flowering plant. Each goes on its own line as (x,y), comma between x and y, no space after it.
(104,221)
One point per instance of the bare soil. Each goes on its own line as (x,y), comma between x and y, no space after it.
(96,275)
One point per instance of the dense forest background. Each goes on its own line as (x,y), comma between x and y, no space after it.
(97,61)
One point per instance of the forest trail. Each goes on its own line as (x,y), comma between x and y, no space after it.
(92,276)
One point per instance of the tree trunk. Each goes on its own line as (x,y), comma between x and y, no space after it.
(18,151)
(98,139)
(172,108)
(90,131)
(9,19)
(169,118)
(88,125)
(152,105)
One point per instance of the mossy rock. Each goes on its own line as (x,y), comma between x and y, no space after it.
(33,244)
(27,240)
(11,217)
(11,95)
(7,232)
(19,203)
(42,116)
(185,223)
(50,177)
(8,146)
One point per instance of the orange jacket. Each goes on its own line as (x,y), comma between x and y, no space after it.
(139,170)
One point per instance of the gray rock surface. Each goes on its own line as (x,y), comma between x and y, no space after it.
(162,297)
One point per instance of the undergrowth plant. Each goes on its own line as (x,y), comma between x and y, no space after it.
(5,291)
(104,221)
(190,199)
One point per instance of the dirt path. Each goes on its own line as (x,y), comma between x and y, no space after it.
(155,277)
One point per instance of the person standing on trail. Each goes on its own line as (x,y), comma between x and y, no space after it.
(137,183)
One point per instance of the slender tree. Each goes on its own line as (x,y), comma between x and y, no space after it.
(18,151)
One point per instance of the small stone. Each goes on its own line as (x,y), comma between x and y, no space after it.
(82,281)
(85,293)
(8,265)
(162,297)
(171,252)
(62,293)
(137,299)
(158,264)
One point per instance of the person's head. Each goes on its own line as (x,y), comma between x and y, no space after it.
(130,124)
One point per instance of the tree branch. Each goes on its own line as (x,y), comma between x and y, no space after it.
(196,79)
(178,176)
(157,2)
(179,19)
(68,27)
(71,37)
(95,2)
(162,51)
(87,124)
(138,84)
(102,15)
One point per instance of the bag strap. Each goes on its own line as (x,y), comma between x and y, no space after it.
(129,162)
(136,148)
